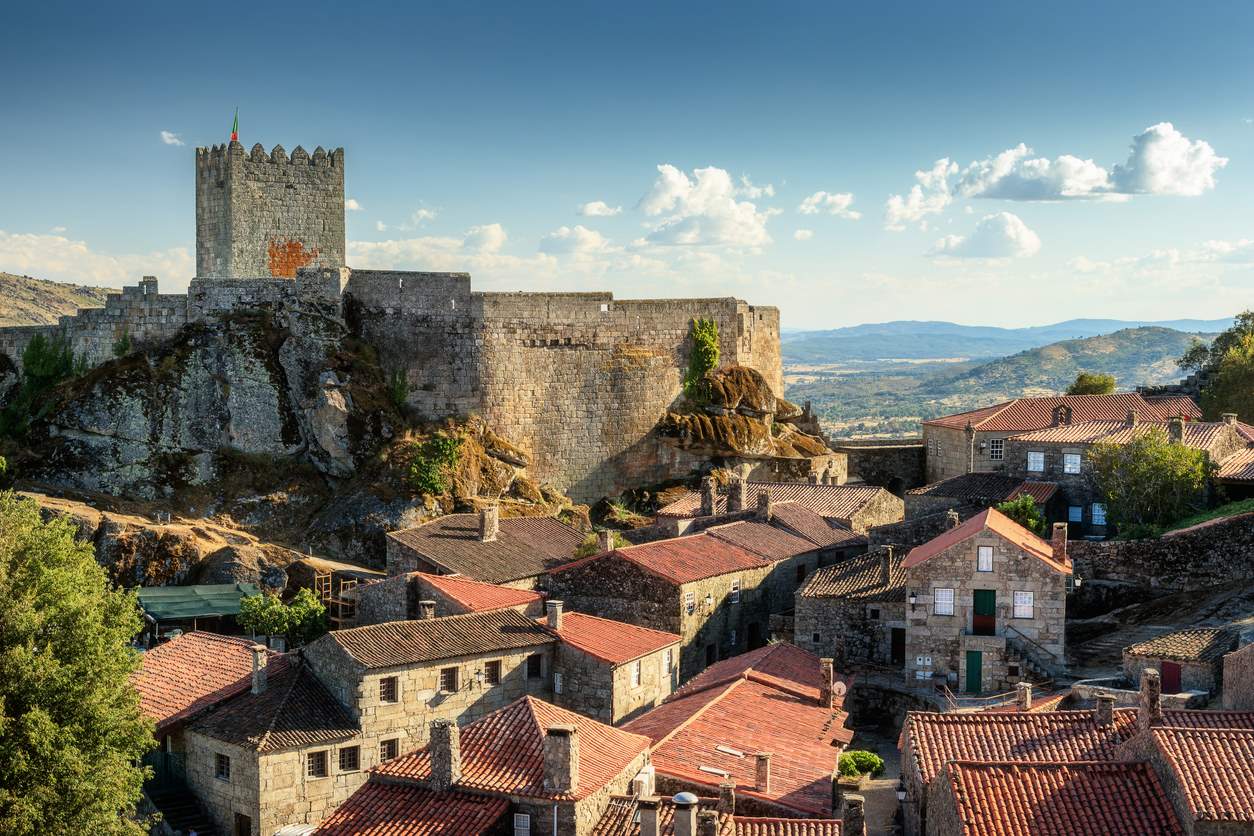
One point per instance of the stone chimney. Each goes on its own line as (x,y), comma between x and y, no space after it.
(1058,542)
(952,520)
(605,541)
(854,816)
(554,609)
(648,815)
(259,668)
(446,754)
(1104,711)
(709,493)
(685,814)
(1023,696)
(738,495)
(762,775)
(489,523)
(1175,430)
(1229,418)
(886,566)
(1151,710)
(813,478)
(426,610)
(825,683)
(707,823)
(764,507)
(727,798)
(1062,415)
(1132,419)
(561,758)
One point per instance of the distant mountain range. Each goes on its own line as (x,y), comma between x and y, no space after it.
(943,340)
(27,301)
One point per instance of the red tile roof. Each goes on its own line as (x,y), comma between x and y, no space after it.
(1239,467)
(818,529)
(989,519)
(1199,644)
(393,643)
(763,539)
(615,642)
(385,809)
(838,502)
(1215,769)
(620,819)
(1200,435)
(195,671)
(502,752)
(859,578)
(784,665)
(523,548)
(478,596)
(682,560)
(1040,491)
(1060,799)
(1027,414)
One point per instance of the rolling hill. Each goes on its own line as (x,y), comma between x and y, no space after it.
(27,301)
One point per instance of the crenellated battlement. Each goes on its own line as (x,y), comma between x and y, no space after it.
(215,156)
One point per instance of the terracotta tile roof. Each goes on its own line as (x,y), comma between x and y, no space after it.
(784,665)
(502,752)
(478,596)
(1202,644)
(1040,491)
(1061,799)
(1201,435)
(395,643)
(525,546)
(1027,414)
(818,529)
(385,809)
(1215,769)
(682,560)
(838,502)
(992,520)
(761,538)
(619,818)
(859,578)
(195,671)
(984,487)
(750,826)
(294,710)
(615,642)
(1239,467)
(1209,719)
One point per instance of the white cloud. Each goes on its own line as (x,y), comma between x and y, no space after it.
(62,259)
(833,203)
(929,196)
(1015,175)
(170,138)
(598,209)
(352,205)
(803,234)
(380,226)
(1002,235)
(488,238)
(747,189)
(702,211)
(576,240)
(1165,161)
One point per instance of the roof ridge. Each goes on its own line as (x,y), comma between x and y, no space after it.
(691,718)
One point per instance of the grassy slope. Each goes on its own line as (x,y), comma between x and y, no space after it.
(27,301)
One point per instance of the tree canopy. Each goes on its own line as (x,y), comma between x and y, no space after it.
(71,731)
(1092,383)
(1148,481)
(1207,356)
(1230,387)
(1025,512)
(301,620)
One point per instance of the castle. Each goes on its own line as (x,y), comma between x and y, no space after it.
(577,380)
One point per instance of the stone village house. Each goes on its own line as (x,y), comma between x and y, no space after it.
(854,612)
(981,490)
(1187,660)
(405,596)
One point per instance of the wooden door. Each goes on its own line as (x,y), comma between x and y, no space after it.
(975,671)
(243,825)
(1171,678)
(984,612)
(899,646)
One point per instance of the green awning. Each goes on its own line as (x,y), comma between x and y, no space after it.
(171,603)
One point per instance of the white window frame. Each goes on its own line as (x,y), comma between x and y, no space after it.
(943,600)
(1071,462)
(1038,456)
(557,682)
(731,639)
(668,661)
(982,552)
(522,824)
(1075,513)
(1024,604)
(996,449)
(1099,513)
(690,602)
(222,774)
(493,664)
(734,595)
(637,673)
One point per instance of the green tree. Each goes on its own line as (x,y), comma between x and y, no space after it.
(1092,383)
(301,620)
(45,363)
(704,356)
(1206,357)
(1230,387)
(1148,481)
(71,731)
(1025,512)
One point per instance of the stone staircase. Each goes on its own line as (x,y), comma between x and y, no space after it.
(182,811)
(1036,665)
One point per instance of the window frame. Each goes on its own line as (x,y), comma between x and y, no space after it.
(394,743)
(1068,458)
(557,682)
(668,661)
(733,595)
(980,553)
(690,602)
(522,824)
(317,756)
(936,601)
(356,757)
(637,673)
(1075,513)
(1015,611)
(392,683)
(492,672)
(445,673)
(996,449)
(1098,516)
(1041,454)
(219,761)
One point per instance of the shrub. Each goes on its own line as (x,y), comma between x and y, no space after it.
(1091,383)
(301,620)
(1025,512)
(704,356)
(433,463)
(45,363)
(861,762)
(122,346)
(1149,480)
(591,544)
(398,389)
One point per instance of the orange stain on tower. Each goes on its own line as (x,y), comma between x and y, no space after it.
(286,257)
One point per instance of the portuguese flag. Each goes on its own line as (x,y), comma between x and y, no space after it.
(235,127)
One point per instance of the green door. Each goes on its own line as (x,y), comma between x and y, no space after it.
(984,612)
(975,671)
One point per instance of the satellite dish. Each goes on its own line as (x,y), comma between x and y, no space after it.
(838,689)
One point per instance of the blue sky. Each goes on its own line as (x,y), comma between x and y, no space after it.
(476,134)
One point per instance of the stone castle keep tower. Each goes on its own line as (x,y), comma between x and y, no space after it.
(260,214)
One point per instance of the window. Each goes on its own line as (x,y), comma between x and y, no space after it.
(1036,462)
(221,767)
(389,749)
(1023,605)
(996,449)
(350,759)
(690,602)
(1070,462)
(801,573)
(387,689)
(534,670)
(448,680)
(943,601)
(316,764)
(557,682)
(636,670)
(816,638)
(492,672)
(734,596)
(1099,513)
(1075,513)
(668,661)
(1012,670)
(522,824)
(984,559)
(875,614)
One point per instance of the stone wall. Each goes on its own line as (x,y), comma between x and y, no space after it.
(1238,679)
(918,530)
(396,599)
(597,689)
(222,800)
(896,465)
(849,632)
(1194,676)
